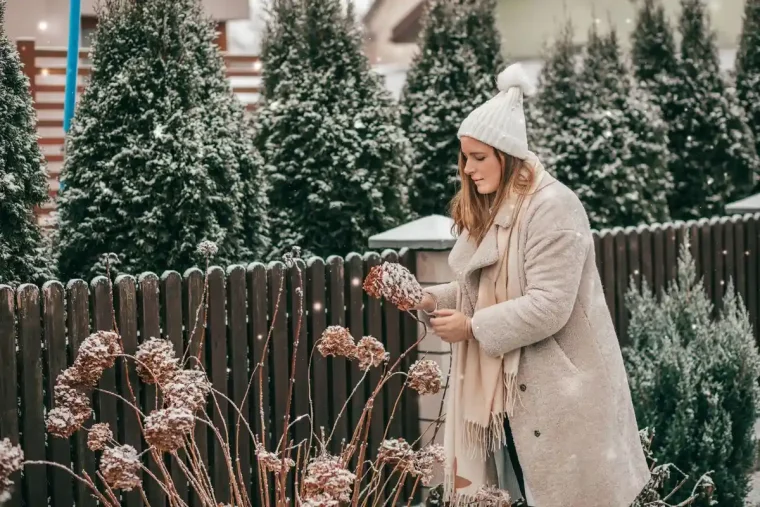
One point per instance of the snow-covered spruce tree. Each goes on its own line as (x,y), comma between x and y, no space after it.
(625,179)
(713,154)
(554,114)
(160,155)
(453,72)
(279,45)
(329,135)
(748,68)
(23,182)
(653,48)
(694,379)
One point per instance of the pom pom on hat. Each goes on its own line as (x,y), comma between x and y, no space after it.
(515,76)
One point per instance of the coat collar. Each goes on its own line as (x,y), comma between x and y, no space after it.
(466,257)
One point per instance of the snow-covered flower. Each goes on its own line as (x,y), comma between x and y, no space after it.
(11,461)
(490,496)
(327,479)
(425,461)
(187,389)
(156,361)
(99,436)
(337,341)
(271,461)
(120,467)
(395,283)
(165,429)
(96,354)
(397,452)
(425,377)
(207,248)
(370,352)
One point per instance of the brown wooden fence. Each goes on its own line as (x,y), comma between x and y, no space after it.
(41,329)
(724,248)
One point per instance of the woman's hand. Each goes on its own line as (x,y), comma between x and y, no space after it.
(428,303)
(451,325)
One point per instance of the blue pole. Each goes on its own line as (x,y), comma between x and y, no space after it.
(72,62)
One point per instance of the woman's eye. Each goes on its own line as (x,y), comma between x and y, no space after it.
(480,159)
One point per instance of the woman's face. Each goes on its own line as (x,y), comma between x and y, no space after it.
(483,166)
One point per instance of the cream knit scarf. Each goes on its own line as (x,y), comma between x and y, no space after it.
(482,389)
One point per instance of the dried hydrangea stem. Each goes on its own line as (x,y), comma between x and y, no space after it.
(198,468)
(192,479)
(137,409)
(81,479)
(345,405)
(109,491)
(414,490)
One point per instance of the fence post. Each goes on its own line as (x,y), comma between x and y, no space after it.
(429,241)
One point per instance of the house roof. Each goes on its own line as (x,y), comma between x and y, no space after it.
(409,27)
(372,10)
(428,233)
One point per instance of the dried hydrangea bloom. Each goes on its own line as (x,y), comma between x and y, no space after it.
(327,479)
(370,352)
(187,389)
(61,422)
(207,248)
(490,496)
(165,429)
(319,501)
(397,452)
(395,283)
(337,341)
(425,377)
(99,436)
(425,461)
(156,361)
(272,462)
(11,461)
(96,354)
(120,467)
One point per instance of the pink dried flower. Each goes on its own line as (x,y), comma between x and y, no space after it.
(99,436)
(370,352)
(397,452)
(395,283)
(156,361)
(337,341)
(96,354)
(71,397)
(272,462)
(425,377)
(187,389)
(491,496)
(11,461)
(72,405)
(61,422)
(319,501)
(165,429)
(326,480)
(425,461)
(120,467)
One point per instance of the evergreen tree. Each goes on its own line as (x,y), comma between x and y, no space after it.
(453,73)
(713,158)
(748,68)
(625,179)
(159,156)
(653,49)
(694,379)
(329,135)
(23,182)
(554,114)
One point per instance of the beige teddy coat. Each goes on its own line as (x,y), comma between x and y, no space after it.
(574,427)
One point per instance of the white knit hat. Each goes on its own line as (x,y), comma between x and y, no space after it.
(500,122)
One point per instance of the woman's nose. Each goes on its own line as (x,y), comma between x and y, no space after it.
(468,170)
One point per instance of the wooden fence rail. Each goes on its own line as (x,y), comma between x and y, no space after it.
(41,329)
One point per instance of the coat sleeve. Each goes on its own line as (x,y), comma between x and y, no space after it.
(445,293)
(558,243)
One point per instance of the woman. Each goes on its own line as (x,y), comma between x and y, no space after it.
(539,402)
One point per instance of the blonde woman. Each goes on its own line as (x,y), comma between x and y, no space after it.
(538,402)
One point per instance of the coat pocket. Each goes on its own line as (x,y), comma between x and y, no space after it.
(562,356)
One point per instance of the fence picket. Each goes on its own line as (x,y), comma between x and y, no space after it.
(336,315)
(56,360)
(78,325)
(150,327)
(315,295)
(240,440)
(280,359)
(719,261)
(391,323)
(374,327)
(299,313)
(32,403)
(171,318)
(9,423)
(355,323)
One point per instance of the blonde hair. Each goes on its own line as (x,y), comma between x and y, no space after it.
(476,212)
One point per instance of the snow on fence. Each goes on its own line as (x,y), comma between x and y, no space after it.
(46,69)
(41,329)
